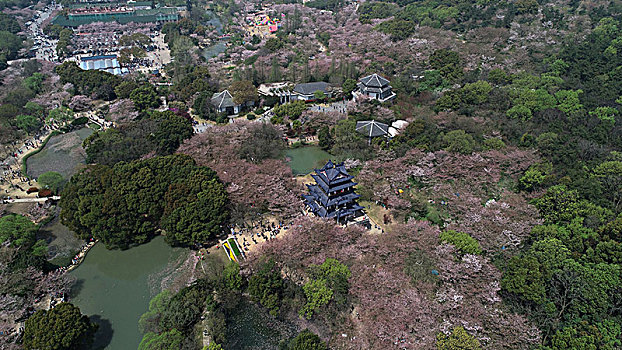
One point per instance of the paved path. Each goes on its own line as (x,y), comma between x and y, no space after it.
(31,200)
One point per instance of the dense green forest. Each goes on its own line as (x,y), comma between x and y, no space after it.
(130,202)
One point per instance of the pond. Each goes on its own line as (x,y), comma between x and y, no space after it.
(251,327)
(114,288)
(303,160)
(218,47)
(63,244)
(63,154)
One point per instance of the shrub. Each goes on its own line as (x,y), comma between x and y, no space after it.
(494,143)
(45,193)
(464,243)
(80,121)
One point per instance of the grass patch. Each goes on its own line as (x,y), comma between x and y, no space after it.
(234,247)
(63,260)
(94,126)
(45,142)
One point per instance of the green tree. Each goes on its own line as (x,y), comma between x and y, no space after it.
(184,310)
(519,112)
(195,210)
(605,114)
(532,179)
(459,339)
(448,63)
(319,95)
(213,346)
(292,110)
(274,44)
(28,123)
(604,335)
(464,243)
(34,82)
(231,276)
(498,76)
(60,114)
(169,340)
(243,92)
(52,180)
(524,279)
(329,281)
(494,143)
(10,44)
(35,109)
(348,86)
(128,203)
(325,138)
(172,130)
(348,142)
(306,340)
(459,141)
(318,294)
(533,99)
(609,175)
(266,287)
(145,97)
(62,327)
(150,320)
(124,89)
(18,230)
(568,101)
(476,93)
(334,273)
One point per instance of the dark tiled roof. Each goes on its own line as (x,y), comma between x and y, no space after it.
(222,100)
(374,80)
(310,88)
(332,196)
(364,88)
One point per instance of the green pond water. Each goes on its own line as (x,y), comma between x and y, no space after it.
(303,160)
(63,154)
(114,288)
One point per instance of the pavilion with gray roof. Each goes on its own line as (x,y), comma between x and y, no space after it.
(223,102)
(376,87)
(306,91)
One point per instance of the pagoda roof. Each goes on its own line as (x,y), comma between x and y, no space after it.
(321,211)
(326,201)
(331,172)
(374,80)
(335,185)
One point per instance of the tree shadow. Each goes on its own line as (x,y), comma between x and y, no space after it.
(103,336)
(76,288)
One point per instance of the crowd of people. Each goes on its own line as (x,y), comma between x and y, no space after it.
(77,260)
(250,235)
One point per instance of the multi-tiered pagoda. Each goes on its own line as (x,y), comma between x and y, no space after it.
(332,195)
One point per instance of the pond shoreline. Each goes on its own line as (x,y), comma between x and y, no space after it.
(79,258)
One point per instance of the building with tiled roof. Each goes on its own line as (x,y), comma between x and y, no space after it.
(306,91)
(376,87)
(223,102)
(332,195)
